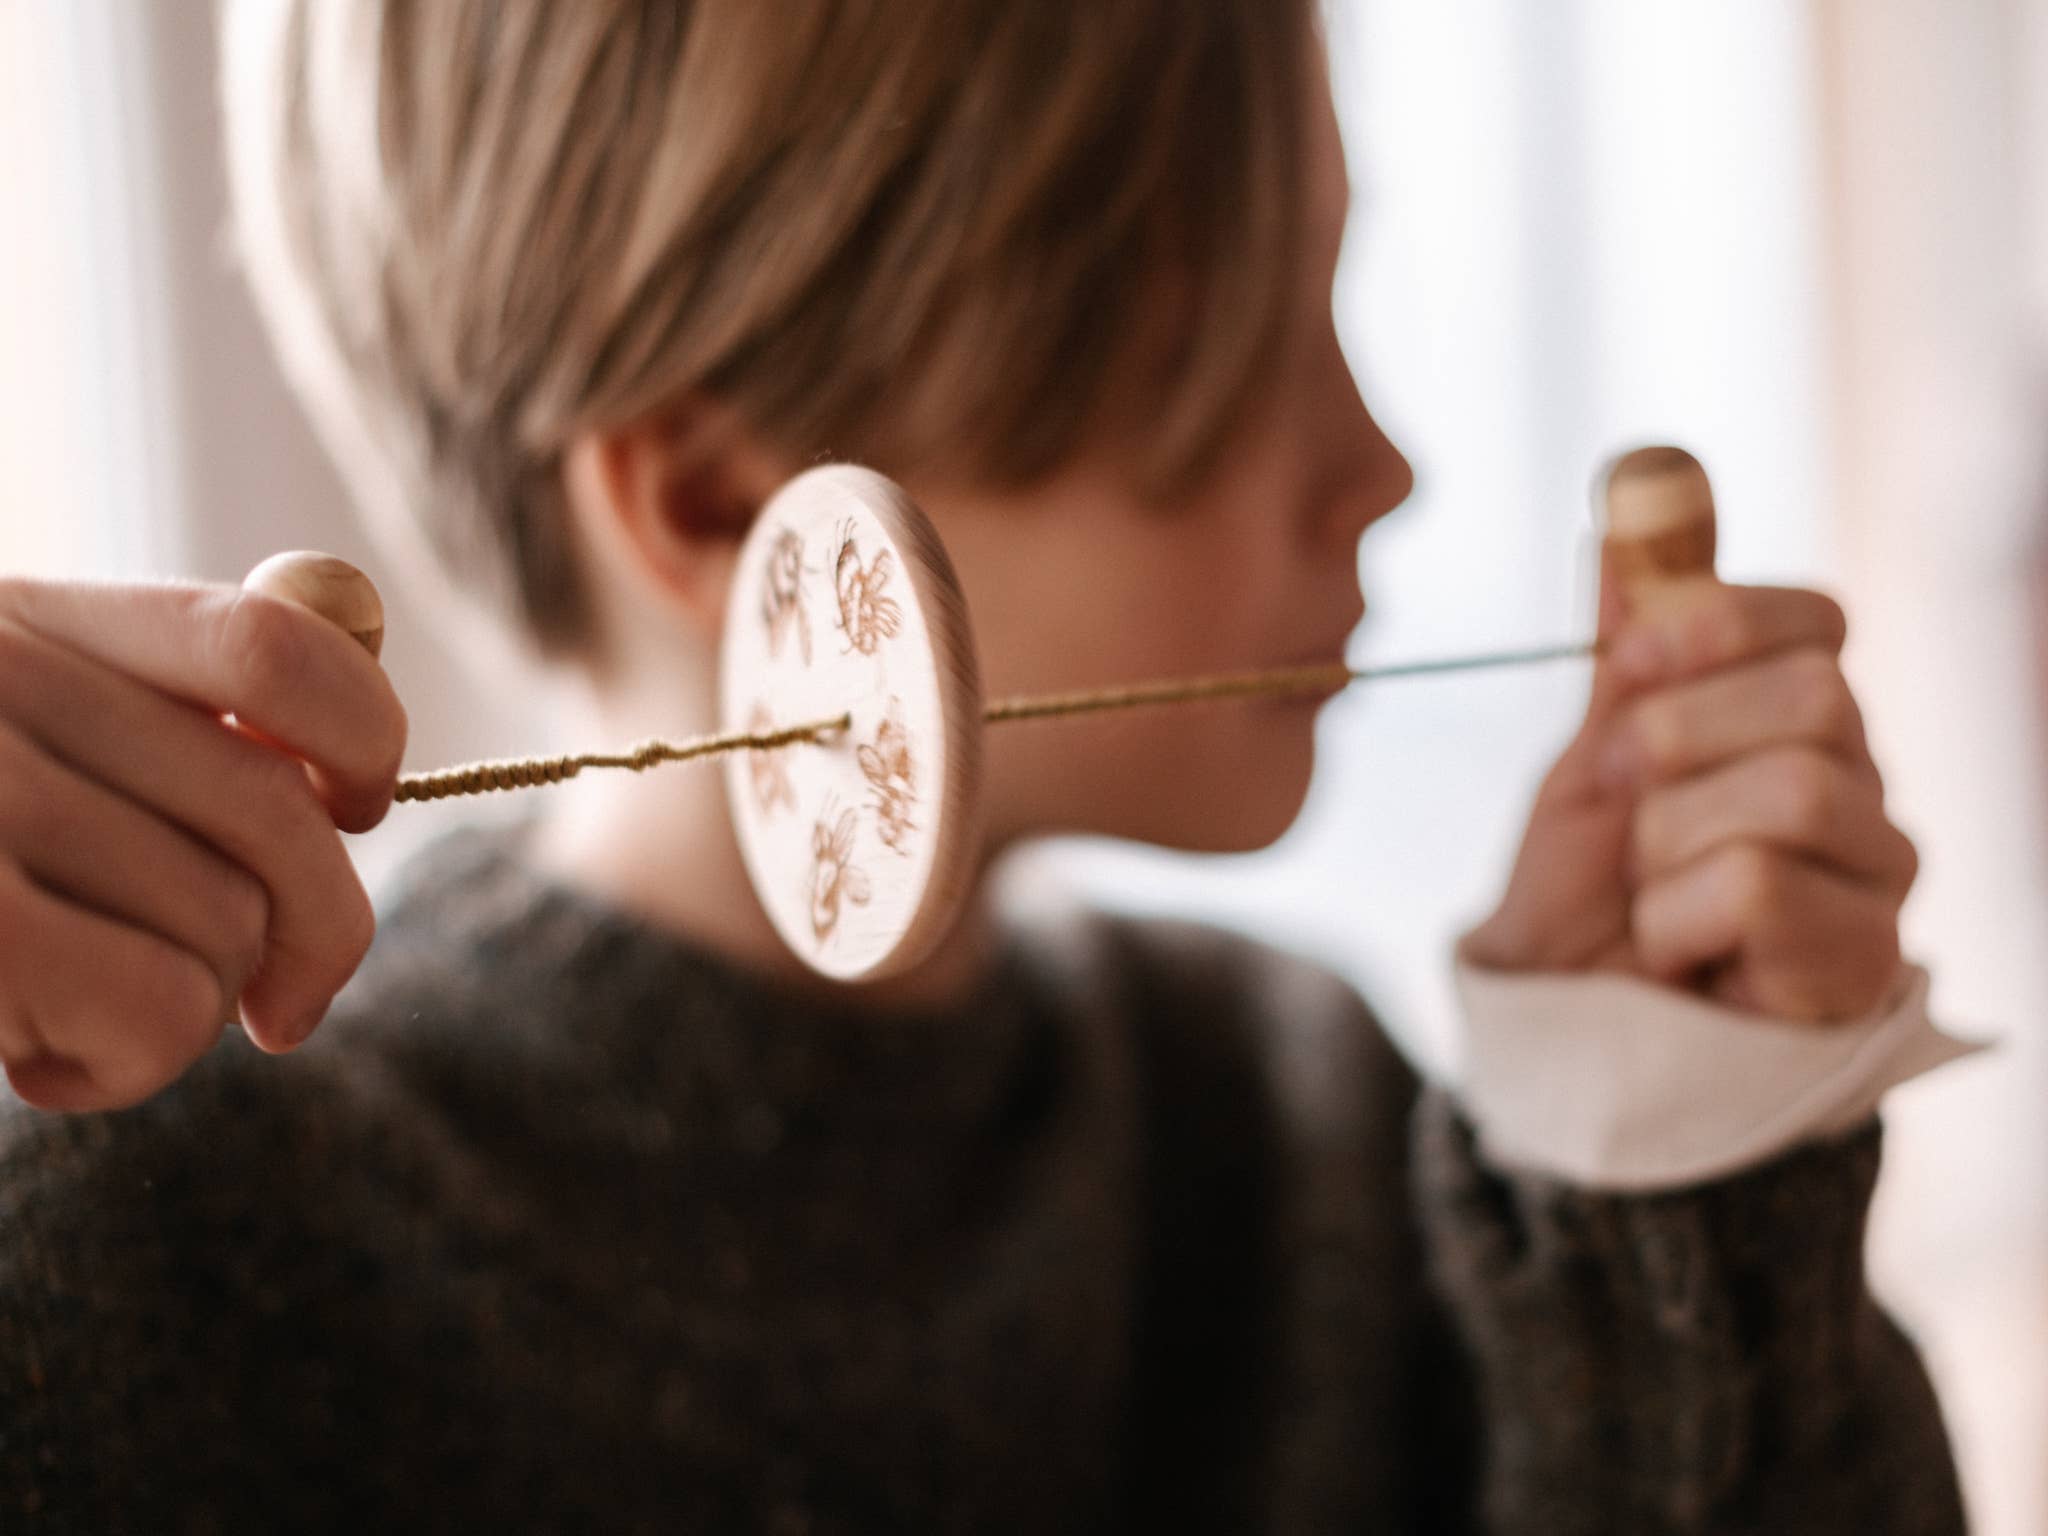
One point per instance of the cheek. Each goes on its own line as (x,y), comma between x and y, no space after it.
(1104,595)
(1224,612)
(1089,618)
(1208,595)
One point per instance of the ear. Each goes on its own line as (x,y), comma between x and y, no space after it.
(672,496)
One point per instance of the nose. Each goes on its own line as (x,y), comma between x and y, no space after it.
(1369,475)
(1390,479)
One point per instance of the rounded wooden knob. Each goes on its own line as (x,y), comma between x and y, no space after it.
(330,586)
(1658,512)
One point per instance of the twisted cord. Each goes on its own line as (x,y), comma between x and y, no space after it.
(523,773)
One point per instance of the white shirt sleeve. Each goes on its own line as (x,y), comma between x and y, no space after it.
(1613,1082)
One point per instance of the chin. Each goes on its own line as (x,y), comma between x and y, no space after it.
(1234,793)
(1241,815)
(1247,831)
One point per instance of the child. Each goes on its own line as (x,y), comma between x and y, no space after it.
(587,1208)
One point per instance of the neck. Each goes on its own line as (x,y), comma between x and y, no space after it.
(660,845)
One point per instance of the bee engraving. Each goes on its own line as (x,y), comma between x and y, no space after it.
(834,880)
(782,598)
(889,770)
(867,617)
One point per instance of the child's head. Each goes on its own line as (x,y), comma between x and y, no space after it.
(571,287)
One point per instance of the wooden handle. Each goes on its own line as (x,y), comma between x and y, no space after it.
(331,587)
(1659,519)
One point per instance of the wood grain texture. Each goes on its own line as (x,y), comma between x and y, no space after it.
(859,848)
(328,585)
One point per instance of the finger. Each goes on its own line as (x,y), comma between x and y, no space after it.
(279,668)
(1613,615)
(97,1015)
(100,850)
(1575,776)
(249,802)
(1795,798)
(1726,625)
(1795,941)
(1794,698)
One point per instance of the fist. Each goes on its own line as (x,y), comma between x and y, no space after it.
(160,864)
(1717,823)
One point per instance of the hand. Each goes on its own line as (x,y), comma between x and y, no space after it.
(1717,823)
(158,862)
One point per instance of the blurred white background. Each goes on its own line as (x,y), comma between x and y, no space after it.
(1806,238)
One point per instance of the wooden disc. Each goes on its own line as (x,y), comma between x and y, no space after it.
(843,601)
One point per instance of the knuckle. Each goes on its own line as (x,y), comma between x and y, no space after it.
(263,646)
(187,1019)
(1807,793)
(281,797)
(323,962)
(1825,704)
(1834,619)
(1648,830)
(355,929)
(19,901)
(27,690)
(30,1080)
(16,646)
(1755,884)
(1794,994)
(1909,863)
(1663,930)
(122,1081)
(1724,627)
(127,1079)
(1658,835)
(246,921)
(15,901)
(18,771)
(1869,965)
(1660,737)
(21,1042)
(171,1037)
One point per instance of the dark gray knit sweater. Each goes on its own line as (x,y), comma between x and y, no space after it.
(563,1225)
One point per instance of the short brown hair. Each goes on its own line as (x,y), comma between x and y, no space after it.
(921,234)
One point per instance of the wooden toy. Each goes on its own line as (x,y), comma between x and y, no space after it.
(852,718)
(859,843)
(1659,527)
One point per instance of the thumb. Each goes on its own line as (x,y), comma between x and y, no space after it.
(1614,609)
(1613,684)
(1575,775)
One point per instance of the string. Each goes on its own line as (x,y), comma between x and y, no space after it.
(527,772)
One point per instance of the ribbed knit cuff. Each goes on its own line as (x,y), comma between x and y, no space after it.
(1693,1360)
